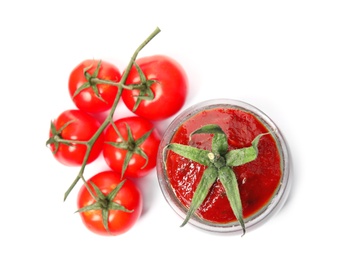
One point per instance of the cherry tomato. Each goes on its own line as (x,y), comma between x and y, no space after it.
(164,89)
(88,96)
(119,219)
(74,125)
(131,148)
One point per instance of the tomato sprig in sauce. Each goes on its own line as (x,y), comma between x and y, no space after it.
(223,165)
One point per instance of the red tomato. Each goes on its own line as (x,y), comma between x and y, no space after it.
(131,146)
(129,196)
(93,98)
(168,83)
(74,125)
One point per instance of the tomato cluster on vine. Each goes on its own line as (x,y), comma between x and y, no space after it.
(154,88)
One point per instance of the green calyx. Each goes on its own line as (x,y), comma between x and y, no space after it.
(131,145)
(91,82)
(56,137)
(219,164)
(104,203)
(144,86)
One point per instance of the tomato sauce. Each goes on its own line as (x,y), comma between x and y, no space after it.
(258,180)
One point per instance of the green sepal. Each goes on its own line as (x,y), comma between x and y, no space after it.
(207,180)
(105,219)
(219,141)
(113,205)
(229,181)
(208,129)
(244,155)
(90,207)
(99,193)
(81,88)
(198,155)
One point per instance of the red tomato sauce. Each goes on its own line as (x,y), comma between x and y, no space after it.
(258,180)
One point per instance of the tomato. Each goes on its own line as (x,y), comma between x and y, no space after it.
(133,151)
(92,97)
(78,126)
(165,80)
(119,213)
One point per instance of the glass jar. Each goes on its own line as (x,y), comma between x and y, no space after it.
(277,199)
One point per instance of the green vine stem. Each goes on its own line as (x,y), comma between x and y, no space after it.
(108,119)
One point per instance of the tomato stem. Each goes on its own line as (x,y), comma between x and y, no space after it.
(69,142)
(139,86)
(107,82)
(109,118)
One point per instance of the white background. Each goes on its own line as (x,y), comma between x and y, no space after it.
(295,60)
